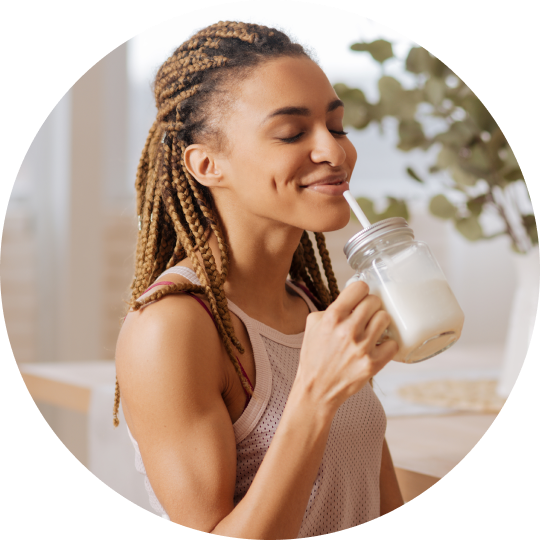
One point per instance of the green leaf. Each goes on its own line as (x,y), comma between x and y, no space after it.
(380,49)
(418,60)
(476,205)
(442,208)
(529,222)
(470,228)
(357,115)
(390,91)
(395,208)
(459,134)
(389,88)
(367,207)
(411,135)
(414,176)
(463,178)
(446,158)
(479,159)
(435,90)
(438,68)
(513,175)
(472,105)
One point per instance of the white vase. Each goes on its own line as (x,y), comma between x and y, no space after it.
(522,317)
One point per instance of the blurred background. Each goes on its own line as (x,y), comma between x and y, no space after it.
(427,150)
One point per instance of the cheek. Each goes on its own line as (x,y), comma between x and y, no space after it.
(268,174)
(351,153)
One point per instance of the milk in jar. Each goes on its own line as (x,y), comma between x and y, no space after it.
(426,317)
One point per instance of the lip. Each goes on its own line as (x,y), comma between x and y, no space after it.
(329,185)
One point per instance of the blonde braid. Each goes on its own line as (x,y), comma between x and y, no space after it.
(327,265)
(313,268)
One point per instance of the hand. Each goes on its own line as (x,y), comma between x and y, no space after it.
(340,352)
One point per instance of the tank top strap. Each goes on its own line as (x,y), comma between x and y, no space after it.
(305,293)
(190,275)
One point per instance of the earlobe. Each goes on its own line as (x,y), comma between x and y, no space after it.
(202,166)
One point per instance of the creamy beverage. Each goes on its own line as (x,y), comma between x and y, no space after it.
(426,317)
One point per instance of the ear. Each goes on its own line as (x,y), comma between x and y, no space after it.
(202,165)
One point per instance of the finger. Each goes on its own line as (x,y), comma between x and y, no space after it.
(348,299)
(363,313)
(385,352)
(376,327)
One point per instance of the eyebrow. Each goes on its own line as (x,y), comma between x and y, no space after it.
(302,111)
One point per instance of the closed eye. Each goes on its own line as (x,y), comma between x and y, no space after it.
(297,137)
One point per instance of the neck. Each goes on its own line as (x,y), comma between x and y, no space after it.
(260,257)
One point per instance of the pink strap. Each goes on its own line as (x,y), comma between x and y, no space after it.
(309,295)
(155,285)
(159,283)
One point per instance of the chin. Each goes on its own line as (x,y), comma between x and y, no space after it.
(328,221)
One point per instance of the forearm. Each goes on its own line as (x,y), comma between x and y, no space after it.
(275,503)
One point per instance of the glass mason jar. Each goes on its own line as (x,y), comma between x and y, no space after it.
(402,272)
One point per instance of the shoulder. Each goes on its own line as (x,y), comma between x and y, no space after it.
(169,348)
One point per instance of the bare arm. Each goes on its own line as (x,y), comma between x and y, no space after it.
(172,387)
(391,497)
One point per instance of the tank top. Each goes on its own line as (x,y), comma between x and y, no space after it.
(346,490)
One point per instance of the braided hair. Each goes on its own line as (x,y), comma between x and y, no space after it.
(175,212)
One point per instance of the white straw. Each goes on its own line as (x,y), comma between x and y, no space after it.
(355,207)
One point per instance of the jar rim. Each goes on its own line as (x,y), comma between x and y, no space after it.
(381,228)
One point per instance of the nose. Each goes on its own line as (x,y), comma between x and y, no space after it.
(326,149)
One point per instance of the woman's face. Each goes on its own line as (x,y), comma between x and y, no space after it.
(287,158)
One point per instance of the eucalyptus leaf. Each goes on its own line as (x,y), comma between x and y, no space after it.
(407,104)
(418,60)
(510,160)
(529,222)
(476,205)
(390,91)
(442,208)
(438,69)
(479,159)
(470,228)
(380,49)
(356,115)
(413,175)
(435,91)
(513,175)
(459,134)
(411,135)
(395,208)
(367,207)
(478,112)
(446,158)
(462,177)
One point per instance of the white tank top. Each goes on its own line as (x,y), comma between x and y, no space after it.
(346,490)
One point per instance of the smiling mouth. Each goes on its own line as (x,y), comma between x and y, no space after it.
(329,182)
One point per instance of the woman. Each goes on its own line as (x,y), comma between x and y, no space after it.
(249,405)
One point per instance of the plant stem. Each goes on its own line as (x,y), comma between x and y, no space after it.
(502,213)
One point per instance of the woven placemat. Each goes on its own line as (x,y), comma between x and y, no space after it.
(465,395)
